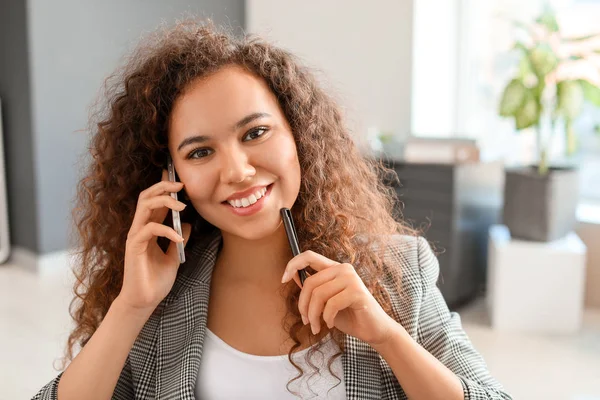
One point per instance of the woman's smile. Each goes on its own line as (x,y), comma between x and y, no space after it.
(249,205)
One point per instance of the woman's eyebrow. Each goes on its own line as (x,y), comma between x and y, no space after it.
(249,118)
(240,124)
(191,140)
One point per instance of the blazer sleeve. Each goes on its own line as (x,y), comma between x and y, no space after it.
(123,390)
(440,332)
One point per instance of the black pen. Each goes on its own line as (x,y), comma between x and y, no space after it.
(290,231)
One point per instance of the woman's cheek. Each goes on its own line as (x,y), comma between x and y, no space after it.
(199,187)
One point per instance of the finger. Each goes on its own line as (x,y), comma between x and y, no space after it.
(144,213)
(162,187)
(310,284)
(154,209)
(308,258)
(186,230)
(335,304)
(296,278)
(319,297)
(150,232)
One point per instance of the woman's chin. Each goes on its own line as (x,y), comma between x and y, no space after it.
(257,230)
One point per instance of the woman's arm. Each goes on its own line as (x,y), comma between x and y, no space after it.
(419,373)
(442,363)
(95,371)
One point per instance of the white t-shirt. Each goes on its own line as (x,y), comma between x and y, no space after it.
(229,374)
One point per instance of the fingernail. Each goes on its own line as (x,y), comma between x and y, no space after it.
(314,329)
(284,277)
(304,320)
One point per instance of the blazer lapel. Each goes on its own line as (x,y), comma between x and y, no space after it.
(181,330)
(179,346)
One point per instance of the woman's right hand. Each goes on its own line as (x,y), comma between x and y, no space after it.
(149,272)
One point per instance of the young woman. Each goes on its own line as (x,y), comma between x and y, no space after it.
(250,132)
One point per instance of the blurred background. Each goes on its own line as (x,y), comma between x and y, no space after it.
(487,110)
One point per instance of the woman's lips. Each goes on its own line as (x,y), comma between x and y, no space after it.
(252,209)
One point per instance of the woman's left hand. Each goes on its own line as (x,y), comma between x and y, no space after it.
(339,294)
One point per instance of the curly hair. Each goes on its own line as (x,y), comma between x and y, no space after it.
(345,210)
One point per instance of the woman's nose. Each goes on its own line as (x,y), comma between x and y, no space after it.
(236,167)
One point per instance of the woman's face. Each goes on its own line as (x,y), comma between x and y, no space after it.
(229,140)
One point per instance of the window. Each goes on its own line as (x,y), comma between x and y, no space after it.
(471,41)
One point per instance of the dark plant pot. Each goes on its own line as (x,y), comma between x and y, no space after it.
(540,208)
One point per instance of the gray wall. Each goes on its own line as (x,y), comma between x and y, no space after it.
(15,92)
(73,46)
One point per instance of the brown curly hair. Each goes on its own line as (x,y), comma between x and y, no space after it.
(344,210)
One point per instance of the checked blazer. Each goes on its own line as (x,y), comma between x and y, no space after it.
(165,358)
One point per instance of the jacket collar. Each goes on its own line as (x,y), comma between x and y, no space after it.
(182,327)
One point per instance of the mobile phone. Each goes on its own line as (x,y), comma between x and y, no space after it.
(175,213)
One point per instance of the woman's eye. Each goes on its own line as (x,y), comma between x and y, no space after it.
(199,153)
(255,133)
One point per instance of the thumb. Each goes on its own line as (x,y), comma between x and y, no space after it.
(186,230)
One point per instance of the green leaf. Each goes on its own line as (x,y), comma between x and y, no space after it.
(543,60)
(580,38)
(386,137)
(538,89)
(512,98)
(525,68)
(574,58)
(570,98)
(548,19)
(591,92)
(529,113)
(520,46)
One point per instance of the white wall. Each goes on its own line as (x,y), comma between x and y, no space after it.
(435,68)
(363,50)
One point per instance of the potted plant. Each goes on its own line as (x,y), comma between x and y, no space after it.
(547,94)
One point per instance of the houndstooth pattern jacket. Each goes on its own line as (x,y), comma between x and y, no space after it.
(165,358)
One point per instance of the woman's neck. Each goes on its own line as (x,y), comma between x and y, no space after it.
(257,262)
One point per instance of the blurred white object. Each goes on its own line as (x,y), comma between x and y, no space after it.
(440,150)
(535,286)
(4,238)
(373,136)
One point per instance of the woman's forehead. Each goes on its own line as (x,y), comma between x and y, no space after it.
(218,102)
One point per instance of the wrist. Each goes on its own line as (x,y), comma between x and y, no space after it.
(121,306)
(395,334)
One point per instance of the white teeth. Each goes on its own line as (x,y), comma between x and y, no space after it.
(245,202)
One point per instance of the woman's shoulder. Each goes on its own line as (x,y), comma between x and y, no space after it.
(410,266)
(410,271)
(407,254)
